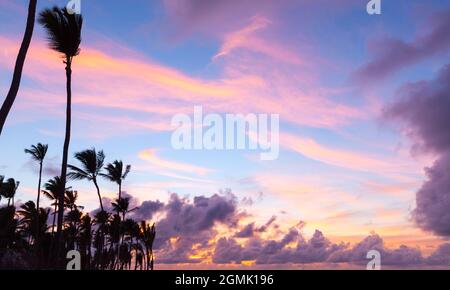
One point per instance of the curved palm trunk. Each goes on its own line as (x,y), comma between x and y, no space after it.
(120,191)
(37,206)
(39,185)
(64,159)
(98,193)
(54,218)
(15,83)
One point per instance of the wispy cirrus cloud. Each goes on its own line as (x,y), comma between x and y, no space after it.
(150,156)
(144,92)
(352,160)
(246,38)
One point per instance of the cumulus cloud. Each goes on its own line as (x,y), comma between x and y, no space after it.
(357,254)
(391,55)
(318,249)
(146,210)
(425,110)
(188,224)
(441,256)
(187,233)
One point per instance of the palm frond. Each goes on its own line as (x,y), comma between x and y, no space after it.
(78,173)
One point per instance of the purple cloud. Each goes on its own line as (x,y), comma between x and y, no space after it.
(441,256)
(250,229)
(433,199)
(318,249)
(192,223)
(425,109)
(146,210)
(391,55)
(401,256)
(189,226)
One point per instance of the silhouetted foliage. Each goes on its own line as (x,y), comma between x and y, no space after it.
(106,241)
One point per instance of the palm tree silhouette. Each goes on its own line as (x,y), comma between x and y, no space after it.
(30,220)
(121,205)
(115,173)
(92,163)
(20,61)
(1,184)
(52,191)
(8,190)
(147,236)
(38,153)
(70,199)
(64,36)
(9,235)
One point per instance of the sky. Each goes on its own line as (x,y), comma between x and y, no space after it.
(363,102)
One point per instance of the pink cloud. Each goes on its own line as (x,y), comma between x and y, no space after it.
(346,159)
(146,92)
(246,38)
(150,156)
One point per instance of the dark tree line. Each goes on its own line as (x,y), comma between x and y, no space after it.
(106,240)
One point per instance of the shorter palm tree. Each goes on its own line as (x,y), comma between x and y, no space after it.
(70,199)
(121,205)
(30,221)
(9,235)
(38,153)
(8,190)
(92,164)
(147,236)
(116,173)
(52,190)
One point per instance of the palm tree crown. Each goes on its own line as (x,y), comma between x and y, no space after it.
(63,29)
(37,152)
(92,164)
(115,173)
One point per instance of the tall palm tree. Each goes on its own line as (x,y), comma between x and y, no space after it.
(116,173)
(92,164)
(20,61)
(38,153)
(64,36)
